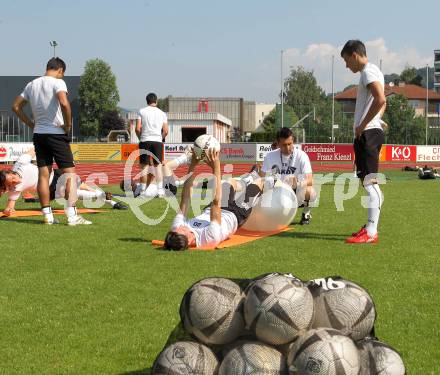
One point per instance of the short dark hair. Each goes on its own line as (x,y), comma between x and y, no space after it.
(175,241)
(151,98)
(56,63)
(352,46)
(284,133)
(2,181)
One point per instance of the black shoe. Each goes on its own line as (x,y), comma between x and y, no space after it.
(205,184)
(305,220)
(120,206)
(255,168)
(170,190)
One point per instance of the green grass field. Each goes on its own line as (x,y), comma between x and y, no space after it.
(100,300)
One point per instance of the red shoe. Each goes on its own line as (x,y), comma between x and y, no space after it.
(363,238)
(359,232)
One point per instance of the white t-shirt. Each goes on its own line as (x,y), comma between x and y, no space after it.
(29,177)
(207,232)
(297,163)
(152,122)
(370,73)
(41,93)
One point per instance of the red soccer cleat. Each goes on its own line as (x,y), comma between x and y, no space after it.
(363,238)
(359,232)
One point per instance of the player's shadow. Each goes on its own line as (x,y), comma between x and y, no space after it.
(145,371)
(133,239)
(314,235)
(22,220)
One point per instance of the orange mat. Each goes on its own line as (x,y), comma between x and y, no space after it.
(27,213)
(240,237)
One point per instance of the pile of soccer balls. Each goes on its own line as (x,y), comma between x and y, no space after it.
(278,324)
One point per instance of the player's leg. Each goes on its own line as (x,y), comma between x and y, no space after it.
(305,197)
(156,148)
(144,165)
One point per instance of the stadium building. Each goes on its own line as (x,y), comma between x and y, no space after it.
(437,70)
(11,128)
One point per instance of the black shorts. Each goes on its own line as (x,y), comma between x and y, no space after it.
(53,147)
(367,150)
(53,185)
(153,148)
(240,207)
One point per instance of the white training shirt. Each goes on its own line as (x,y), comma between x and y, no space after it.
(370,73)
(152,122)
(207,232)
(41,93)
(29,176)
(297,163)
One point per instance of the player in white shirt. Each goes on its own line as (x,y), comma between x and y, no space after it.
(294,168)
(23,177)
(151,128)
(225,215)
(368,133)
(47,96)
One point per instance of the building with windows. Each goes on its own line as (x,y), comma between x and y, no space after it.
(11,128)
(437,70)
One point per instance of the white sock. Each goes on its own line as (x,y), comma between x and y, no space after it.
(307,209)
(47,212)
(375,203)
(86,194)
(110,202)
(143,186)
(160,185)
(70,212)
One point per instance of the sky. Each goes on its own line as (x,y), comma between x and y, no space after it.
(214,48)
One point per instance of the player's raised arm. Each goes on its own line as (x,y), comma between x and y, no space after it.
(187,186)
(213,160)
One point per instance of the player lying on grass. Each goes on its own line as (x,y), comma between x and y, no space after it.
(23,177)
(221,219)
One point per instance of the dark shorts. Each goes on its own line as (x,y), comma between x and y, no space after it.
(240,207)
(153,148)
(367,150)
(53,185)
(53,147)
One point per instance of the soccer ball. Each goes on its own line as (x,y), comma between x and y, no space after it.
(323,351)
(203,143)
(186,357)
(277,308)
(253,358)
(342,305)
(211,310)
(379,358)
(275,210)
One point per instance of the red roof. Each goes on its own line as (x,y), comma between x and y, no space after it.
(411,92)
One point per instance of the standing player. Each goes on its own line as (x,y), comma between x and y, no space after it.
(295,169)
(151,128)
(47,96)
(368,133)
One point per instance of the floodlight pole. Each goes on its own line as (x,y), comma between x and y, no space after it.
(54,44)
(426,111)
(282,91)
(333,102)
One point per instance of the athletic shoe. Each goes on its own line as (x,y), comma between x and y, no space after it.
(305,219)
(363,238)
(77,220)
(170,190)
(360,232)
(120,206)
(161,193)
(46,221)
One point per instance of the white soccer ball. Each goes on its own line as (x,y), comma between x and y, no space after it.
(379,358)
(211,310)
(343,305)
(253,358)
(323,351)
(275,210)
(277,308)
(203,143)
(186,357)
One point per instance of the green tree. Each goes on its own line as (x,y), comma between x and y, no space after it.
(163,104)
(98,94)
(410,75)
(404,127)
(111,120)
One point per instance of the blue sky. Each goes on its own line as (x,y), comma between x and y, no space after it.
(213,48)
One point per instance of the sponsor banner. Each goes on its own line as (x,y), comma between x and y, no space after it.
(428,153)
(264,148)
(12,151)
(96,151)
(383,153)
(174,150)
(231,152)
(127,149)
(401,153)
(329,152)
